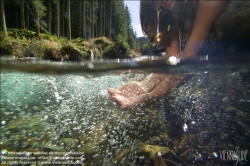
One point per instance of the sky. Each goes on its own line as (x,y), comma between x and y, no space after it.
(134,9)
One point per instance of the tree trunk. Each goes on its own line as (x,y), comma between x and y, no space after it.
(104,11)
(3,23)
(37,23)
(16,16)
(100,18)
(27,19)
(57,19)
(62,19)
(80,19)
(93,19)
(69,21)
(84,21)
(110,19)
(49,16)
(90,18)
(22,14)
(96,35)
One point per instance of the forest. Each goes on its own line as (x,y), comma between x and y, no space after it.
(71,21)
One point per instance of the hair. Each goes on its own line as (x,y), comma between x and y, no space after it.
(162,26)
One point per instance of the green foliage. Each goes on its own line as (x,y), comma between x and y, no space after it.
(145,48)
(114,50)
(28,34)
(22,47)
(63,41)
(67,49)
(132,39)
(39,7)
(120,41)
(120,19)
(21,33)
(34,49)
(38,10)
(48,36)
(7,45)
(109,51)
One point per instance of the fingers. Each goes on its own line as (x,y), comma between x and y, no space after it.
(121,101)
(116,100)
(112,91)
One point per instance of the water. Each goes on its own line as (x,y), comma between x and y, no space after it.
(61,112)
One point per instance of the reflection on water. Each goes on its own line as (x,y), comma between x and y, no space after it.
(73,113)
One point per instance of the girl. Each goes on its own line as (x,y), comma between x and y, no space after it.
(168,21)
(165,22)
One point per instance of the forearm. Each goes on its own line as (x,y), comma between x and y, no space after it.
(152,81)
(207,12)
(164,88)
(173,49)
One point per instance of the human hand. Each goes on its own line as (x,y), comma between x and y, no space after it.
(128,96)
(131,89)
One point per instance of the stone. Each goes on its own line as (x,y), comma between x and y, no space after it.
(98,135)
(153,149)
(89,148)
(156,153)
(22,123)
(70,142)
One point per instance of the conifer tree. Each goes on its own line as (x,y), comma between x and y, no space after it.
(3,23)
(57,18)
(39,12)
(68,20)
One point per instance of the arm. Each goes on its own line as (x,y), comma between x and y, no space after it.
(164,88)
(207,12)
(173,49)
(152,81)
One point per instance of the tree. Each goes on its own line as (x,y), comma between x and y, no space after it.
(120,20)
(39,13)
(57,18)
(100,17)
(22,14)
(131,35)
(49,15)
(3,23)
(92,19)
(68,21)
(103,16)
(84,20)
(27,19)
(110,19)
(62,29)
(80,18)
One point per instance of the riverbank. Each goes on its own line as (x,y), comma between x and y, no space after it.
(24,43)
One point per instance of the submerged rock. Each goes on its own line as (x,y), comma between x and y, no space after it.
(47,147)
(153,149)
(98,135)
(89,148)
(155,152)
(70,142)
(24,123)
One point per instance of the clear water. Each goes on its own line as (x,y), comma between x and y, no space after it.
(65,107)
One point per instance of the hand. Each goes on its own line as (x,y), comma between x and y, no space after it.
(129,95)
(131,89)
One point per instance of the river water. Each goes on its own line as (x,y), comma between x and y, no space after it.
(61,113)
